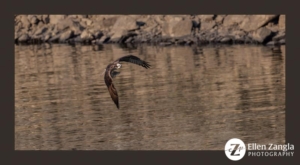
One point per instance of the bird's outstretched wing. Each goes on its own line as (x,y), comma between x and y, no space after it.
(109,73)
(134,60)
(111,88)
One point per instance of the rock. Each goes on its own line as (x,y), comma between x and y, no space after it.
(253,22)
(237,40)
(276,43)
(174,17)
(32,19)
(165,43)
(248,39)
(261,34)
(97,42)
(34,37)
(151,28)
(52,28)
(149,25)
(109,22)
(140,23)
(63,24)
(98,34)
(206,18)
(272,27)
(86,35)
(125,23)
(282,41)
(182,28)
(73,16)
(176,27)
(137,17)
(104,25)
(46,37)
(234,33)
(271,43)
(25,23)
(87,21)
(220,18)
(76,39)
(237,32)
(24,38)
(281,22)
(122,26)
(41,30)
(207,25)
(66,35)
(45,19)
(129,40)
(225,40)
(280,35)
(116,37)
(103,39)
(248,22)
(94,41)
(54,19)
(18,26)
(17,18)
(181,42)
(71,24)
(55,38)
(159,19)
(223,31)
(39,25)
(189,42)
(231,20)
(239,36)
(143,18)
(62,36)
(82,16)
(96,18)
(17,35)
(125,37)
(39,17)
(211,39)
(144,37)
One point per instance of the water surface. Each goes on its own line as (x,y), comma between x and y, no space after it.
(193,98)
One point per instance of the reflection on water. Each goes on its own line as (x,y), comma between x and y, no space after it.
(193,98)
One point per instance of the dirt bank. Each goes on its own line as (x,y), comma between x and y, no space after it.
(160,29)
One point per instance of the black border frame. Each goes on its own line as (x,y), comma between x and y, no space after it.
(10,8)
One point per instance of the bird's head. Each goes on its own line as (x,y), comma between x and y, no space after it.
(118,66)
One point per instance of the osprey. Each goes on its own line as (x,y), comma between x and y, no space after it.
(110,72)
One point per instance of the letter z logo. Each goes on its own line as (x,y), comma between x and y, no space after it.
(235,149)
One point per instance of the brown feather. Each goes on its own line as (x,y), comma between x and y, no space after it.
(134,60)
(110,86)
(114,94)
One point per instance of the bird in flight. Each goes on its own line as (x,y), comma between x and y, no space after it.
(110,72)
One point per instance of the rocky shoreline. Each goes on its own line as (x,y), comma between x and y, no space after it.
(159,29)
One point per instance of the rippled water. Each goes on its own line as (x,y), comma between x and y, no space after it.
(193,98)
